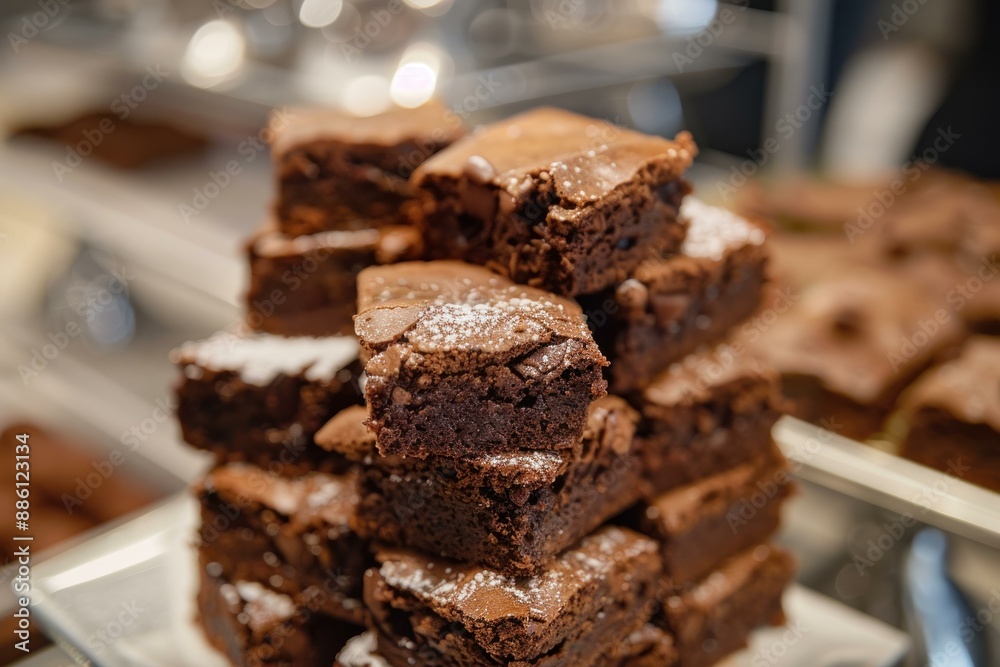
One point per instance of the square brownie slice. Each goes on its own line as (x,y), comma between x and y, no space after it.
(463,361)
(707,413)
(340,172)
(555,200)
(584,603)
(254,626)
(512,512)
(715,616)
(669,306)
(704,523)
(291,534)
(953,415)
(307,285)
(261,398)
(850,347)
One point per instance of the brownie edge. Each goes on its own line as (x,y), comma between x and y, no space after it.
(461,361)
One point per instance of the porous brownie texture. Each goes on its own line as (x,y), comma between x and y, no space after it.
(337,172)
(462,361)
(254,626)
(447,613)
(714,617)
(307,285)
(512,512)
(555,200)
(261,398)
(707,413)
(669,306)
(291,534)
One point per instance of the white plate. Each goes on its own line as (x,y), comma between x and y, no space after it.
(126,597)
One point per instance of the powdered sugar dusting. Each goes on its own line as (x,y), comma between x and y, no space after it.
(360,652)
(472,591)
(264,607)
(537,461)
(714,229)
(260,358)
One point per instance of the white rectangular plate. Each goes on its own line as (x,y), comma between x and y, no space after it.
(126,597)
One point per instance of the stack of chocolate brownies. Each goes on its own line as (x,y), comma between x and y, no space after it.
(482,499)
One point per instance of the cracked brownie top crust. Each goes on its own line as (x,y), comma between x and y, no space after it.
(555,199)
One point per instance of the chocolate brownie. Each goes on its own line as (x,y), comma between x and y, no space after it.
(669,306)
(584,603)
(261,398)
(124,143)
(341,172)
(648,646)
(307,285)
(955,223)
(850,347)
(703,523)
(254,626)
(463,361)
(707,413)
(555,200)
(714,617)
(293,534)
(512,511)
(953,415)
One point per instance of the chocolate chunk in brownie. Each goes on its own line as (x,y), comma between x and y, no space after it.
(261,398)
(953,415)
(446,613)
(849,347)
(463,361)
(669,306)
(703,523)
(714,617)
(307,285)
(340,172)
(292,534)
(555,200)
(510,511)
(707,413)
(253,626)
